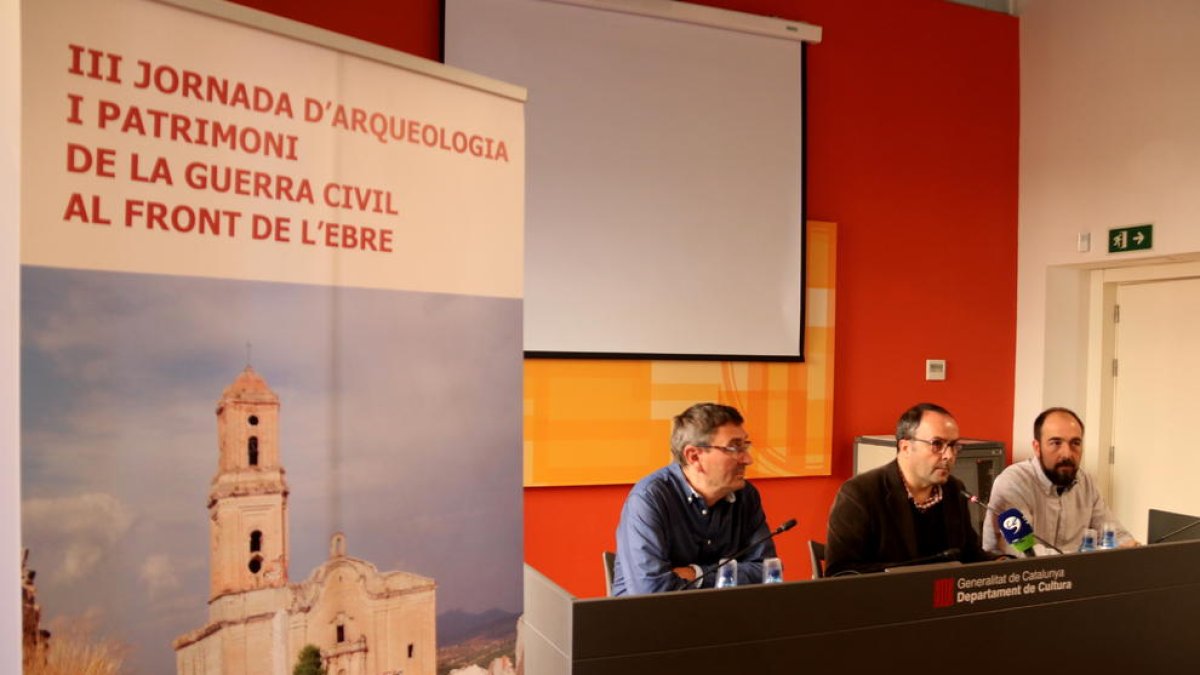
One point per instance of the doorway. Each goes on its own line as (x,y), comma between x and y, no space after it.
(1150,390)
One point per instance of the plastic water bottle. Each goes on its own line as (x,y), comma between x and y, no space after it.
(1109,538)
(727,575)
(1089,541)
(772,571)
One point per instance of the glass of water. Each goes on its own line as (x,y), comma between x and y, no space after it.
(727,575)
(1089,541)
(1108,536)
(772,571)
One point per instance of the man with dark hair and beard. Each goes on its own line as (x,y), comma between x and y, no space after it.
(1058,498)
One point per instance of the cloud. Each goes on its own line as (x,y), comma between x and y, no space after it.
(158,574)
(79,531)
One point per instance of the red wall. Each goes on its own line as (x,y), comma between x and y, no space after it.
(413,26)
(912,137)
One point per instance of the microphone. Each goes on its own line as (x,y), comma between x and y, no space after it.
(1017,532)
(789,524)
(976,500)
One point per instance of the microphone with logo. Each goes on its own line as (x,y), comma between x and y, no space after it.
(988,507)
(1018,532)
(695,583)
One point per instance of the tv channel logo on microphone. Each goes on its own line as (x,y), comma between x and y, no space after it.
(1012,524)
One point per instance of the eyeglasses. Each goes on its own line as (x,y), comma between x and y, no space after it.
(939,447)
(738,451)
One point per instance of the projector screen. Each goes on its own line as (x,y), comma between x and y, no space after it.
(665,173)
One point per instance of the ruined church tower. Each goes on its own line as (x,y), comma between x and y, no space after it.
(247,501)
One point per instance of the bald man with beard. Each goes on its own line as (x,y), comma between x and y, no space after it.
(1058,498)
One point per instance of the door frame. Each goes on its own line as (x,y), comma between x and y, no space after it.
(1101,348)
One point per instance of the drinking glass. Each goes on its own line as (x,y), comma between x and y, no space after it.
(727,575)
(772,571)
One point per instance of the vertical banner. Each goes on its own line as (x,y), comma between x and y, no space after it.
(271,350)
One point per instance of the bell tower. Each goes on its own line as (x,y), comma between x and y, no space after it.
(247,500)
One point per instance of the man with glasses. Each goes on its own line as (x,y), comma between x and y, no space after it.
(1058,498)
(908,511)
(679,522)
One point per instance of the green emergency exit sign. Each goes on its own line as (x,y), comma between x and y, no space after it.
(1132,238)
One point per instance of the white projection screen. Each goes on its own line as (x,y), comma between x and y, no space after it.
(665,173)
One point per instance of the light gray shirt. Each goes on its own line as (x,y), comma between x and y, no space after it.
(1058,519)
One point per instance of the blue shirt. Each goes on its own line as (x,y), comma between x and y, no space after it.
(666,524)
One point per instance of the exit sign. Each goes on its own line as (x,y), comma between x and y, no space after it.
(1132,238)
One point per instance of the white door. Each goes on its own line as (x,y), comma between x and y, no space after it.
(1156,401)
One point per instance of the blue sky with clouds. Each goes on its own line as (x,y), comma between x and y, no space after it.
(400,425)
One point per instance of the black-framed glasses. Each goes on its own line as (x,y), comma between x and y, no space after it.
(738,451)
(939,446)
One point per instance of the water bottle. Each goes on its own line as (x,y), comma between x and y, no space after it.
(727,575)
(1089,541)
(1109,538)
(772,571)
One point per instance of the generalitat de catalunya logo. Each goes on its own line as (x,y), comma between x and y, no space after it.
(943,592)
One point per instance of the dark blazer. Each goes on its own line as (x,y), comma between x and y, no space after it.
(871,524)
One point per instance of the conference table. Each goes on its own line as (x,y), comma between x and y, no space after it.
(1135,610)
